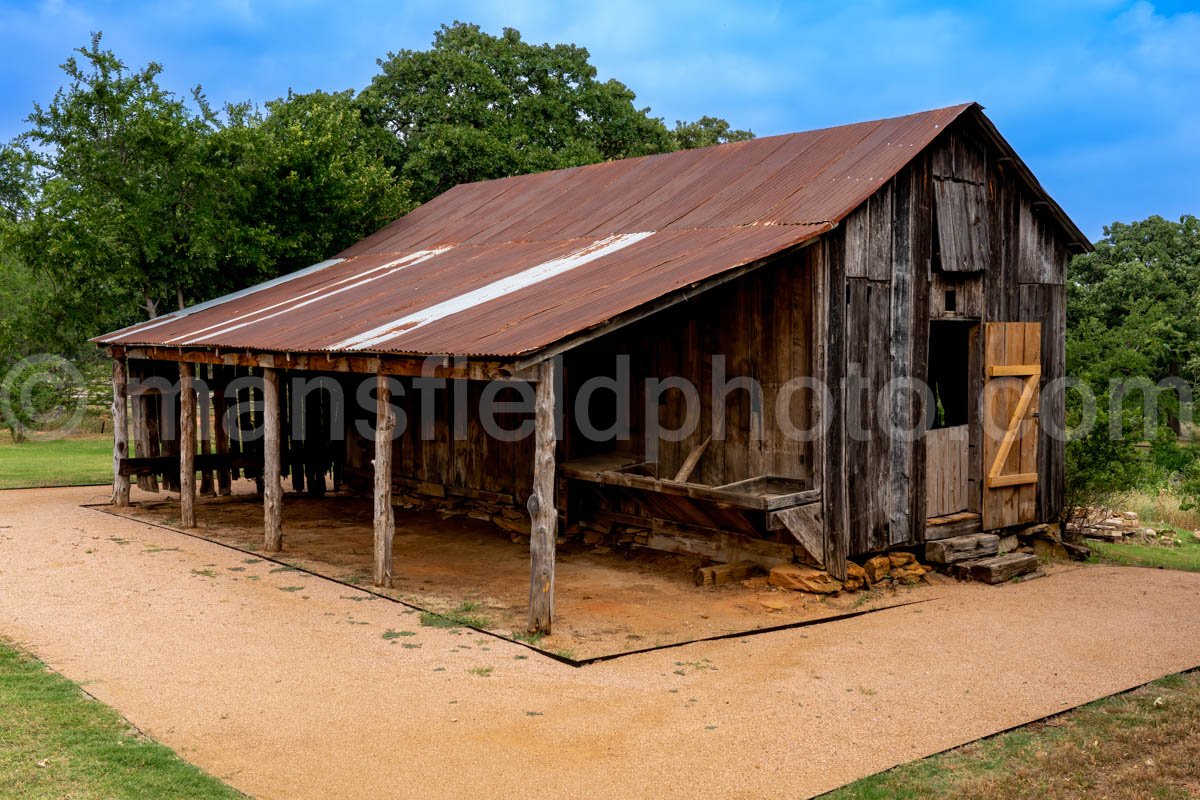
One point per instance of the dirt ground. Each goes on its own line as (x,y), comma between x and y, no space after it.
(291,686)
(605,603)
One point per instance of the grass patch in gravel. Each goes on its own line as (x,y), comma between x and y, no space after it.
(462,617)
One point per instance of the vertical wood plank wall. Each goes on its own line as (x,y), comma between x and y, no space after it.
(761,323)
(890,289)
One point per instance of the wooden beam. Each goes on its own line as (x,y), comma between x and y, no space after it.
(1020,479)
(1013,370)
(187,448)
(398,365)
(385,523)
(542,509)
(721,497)
(999,569)
(120,421)
(962,548)
(693,458)
(161,465)
(805,525)
(272,489)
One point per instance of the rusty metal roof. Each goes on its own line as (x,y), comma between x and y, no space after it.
(510,266)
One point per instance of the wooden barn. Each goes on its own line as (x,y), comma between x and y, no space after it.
(813,346)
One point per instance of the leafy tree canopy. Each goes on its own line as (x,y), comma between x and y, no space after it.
(132,201)
(1133,314)
(706,132)
(477,106)
(124,200)
(1133,305)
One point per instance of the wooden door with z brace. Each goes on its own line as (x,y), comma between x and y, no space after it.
(1012,362)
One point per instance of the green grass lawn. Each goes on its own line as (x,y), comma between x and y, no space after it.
(1184,557)
(1142,744)
(75,461)
(55,742)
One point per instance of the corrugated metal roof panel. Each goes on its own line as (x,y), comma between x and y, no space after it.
(511,266)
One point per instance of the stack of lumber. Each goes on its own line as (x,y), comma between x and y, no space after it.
(1105,525)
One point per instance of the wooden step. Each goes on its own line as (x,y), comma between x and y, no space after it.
(962,548)
(950,525)
(1000,569)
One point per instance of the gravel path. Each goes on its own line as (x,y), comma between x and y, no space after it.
(286,686)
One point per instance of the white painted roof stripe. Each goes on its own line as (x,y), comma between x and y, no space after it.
(492,291)
(258,287)
(307,298)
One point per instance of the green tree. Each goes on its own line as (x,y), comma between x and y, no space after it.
(477,106)
(290,185)
(706,132)
(1134,304)
(112,199)
(130,201)
(1133,315)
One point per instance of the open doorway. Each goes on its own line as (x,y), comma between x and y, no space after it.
(948,440)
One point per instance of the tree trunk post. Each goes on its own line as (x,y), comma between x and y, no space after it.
(272,489)
(385,523)
(120,495)
(542,509)
(187,447)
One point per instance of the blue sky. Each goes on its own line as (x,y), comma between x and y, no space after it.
(1100,97)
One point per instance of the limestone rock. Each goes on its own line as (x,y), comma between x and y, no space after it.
(804,579)
(901,559)
(1046,549)
(856,577)
(909,574)
(877,568)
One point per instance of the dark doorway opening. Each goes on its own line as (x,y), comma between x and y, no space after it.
(949,373)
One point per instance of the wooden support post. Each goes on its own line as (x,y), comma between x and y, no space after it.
(187,447)
(220,432)
(139,413)
(120,495)
(272,489)
(542,508)
(204,406)
(385,523)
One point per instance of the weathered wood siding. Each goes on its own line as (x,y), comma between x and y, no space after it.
(956,220)
(761,324)
(946,460)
